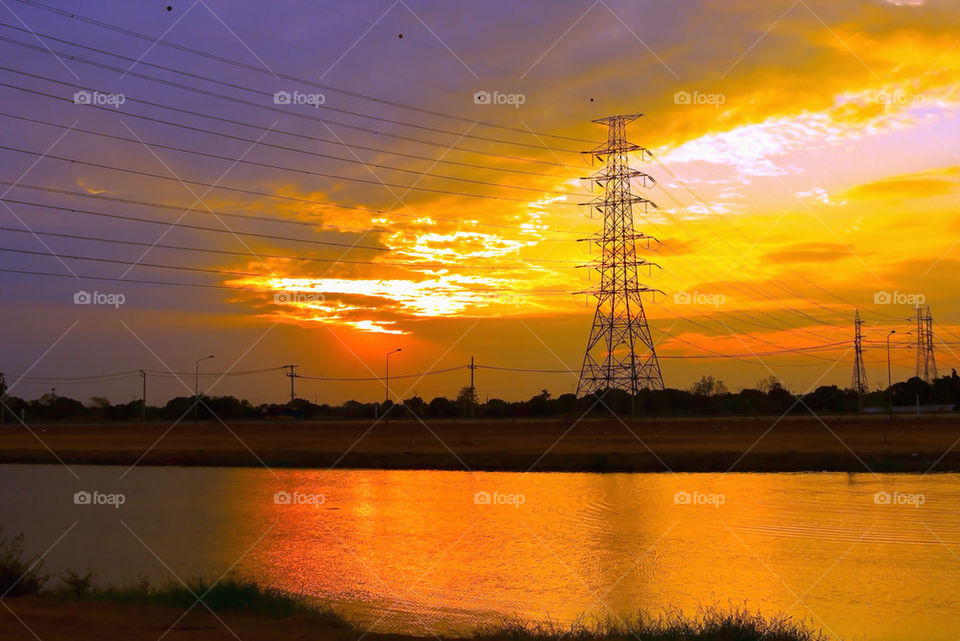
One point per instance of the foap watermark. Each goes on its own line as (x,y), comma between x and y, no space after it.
(899,498)
(499,98)
(84,297)
(298,498)
(499,498)
(698,298)
(99,99)
(99,498)
(698,98)
(699,498)
(297,298)
(899,98)
(314,100)
(515,300)
(898,298)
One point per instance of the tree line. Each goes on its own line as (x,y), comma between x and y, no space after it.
(707,397)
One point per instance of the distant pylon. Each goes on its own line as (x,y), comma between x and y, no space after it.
(620,352)
(859,380)
(926,365)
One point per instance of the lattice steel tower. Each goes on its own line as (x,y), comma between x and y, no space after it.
(859,380)
(926,365)
(620,352)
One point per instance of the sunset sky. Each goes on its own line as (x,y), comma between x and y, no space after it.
(807,159)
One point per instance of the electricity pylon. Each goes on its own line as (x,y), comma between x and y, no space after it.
(926,365)
(859,380)
(620,352)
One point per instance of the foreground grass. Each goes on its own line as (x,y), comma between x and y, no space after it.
(709,625)
(21,577)
(230,594)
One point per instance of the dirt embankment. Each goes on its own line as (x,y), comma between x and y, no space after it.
(761,444)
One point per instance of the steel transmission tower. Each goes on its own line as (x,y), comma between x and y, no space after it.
(926,365)
(620,352)
(859,380)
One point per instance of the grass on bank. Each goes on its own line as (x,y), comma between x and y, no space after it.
(20,576)
(709,625)
(230,594)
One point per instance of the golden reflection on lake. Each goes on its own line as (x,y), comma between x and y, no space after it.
(857,555)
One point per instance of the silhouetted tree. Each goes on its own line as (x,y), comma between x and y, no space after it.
(708,386)
(467,398)
(441,407)
(416,406)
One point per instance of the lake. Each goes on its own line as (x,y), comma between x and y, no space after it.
(861,556)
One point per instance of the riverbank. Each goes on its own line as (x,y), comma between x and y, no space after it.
(744,444)
(29,618)
(76,606)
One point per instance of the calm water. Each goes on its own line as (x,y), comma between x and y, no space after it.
(414,550)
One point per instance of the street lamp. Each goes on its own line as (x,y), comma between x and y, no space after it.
(386,397)
(889,384)
(196,387)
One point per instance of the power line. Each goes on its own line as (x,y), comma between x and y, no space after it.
(167,373)
(254,192)
(741,283)
(224,252)
(160,41)
(748,287)
(266,107)
(180,225)
(310,172)
(757,338)
(135,281)
(113,261)
(210,270)
(262,143)
(726,220)
(715,355)
(74,379)
(377,378)
(275,130)
(145,203)
(751,356)
(226,214)
(679,222)
(728,223)
(129,373)
(811,318)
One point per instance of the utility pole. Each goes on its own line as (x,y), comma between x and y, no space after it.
(143,409)
(929,364)
(859,369)
(292,374)
(196,388)
(889,385)
(620,351)
(473,390)
(386,385)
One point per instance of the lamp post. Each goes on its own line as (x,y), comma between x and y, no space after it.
(889,384)
(386,397)
(196,388)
